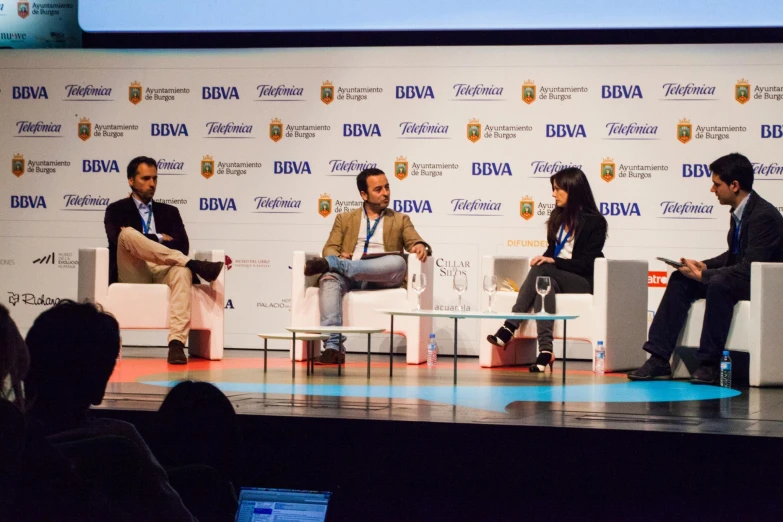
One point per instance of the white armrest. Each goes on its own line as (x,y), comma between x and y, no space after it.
(93,278)
(620,310)
(766,287)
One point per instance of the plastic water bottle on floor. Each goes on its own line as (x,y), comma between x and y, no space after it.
(725,370)
(600,358)
(432,351)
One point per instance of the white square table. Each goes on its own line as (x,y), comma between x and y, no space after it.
(321,330)
(476,315)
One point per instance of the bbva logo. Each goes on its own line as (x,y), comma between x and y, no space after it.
(619,209)
(360,129)
(98,165)
(621,91)
(26,92)
(292,167)
(28,202)
(696,170)
(221,204)
(412,206)
(169,129)
(565,130)
(414,91)
(219,93)
(490,169)
(772,131)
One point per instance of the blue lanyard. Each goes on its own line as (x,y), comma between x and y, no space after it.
(561,241)
(146,226)
(370,231)
(735,243)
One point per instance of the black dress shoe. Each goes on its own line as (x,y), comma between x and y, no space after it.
(654,368)
(330,356)
(316,266)
(206,270)
(706,374)
(177,353)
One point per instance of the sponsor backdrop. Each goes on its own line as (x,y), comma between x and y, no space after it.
(259,151)
(29,24)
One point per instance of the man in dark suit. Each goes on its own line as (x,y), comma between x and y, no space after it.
(148,244)
(755,235)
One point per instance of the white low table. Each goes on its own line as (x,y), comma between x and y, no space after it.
(478,315)
(320,331)
(287,336)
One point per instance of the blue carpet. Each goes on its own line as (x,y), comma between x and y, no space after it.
(493,398)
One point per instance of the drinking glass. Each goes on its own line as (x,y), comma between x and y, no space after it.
(419,284)
(490,287)
(460,285)
(543,286)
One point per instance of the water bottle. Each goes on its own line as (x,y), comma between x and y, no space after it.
(432,351)
(725,370)
(600,358)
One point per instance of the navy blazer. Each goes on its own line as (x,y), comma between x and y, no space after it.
(588,245)
(761,239)
(124,213)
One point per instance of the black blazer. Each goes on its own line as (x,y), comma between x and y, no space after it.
(761,239)
(123,213)
(588,245)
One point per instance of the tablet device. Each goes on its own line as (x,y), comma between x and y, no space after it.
(260,504)
(670,262)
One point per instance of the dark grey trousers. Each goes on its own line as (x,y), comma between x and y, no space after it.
(562,283)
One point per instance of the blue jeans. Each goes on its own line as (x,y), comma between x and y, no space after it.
(345,275)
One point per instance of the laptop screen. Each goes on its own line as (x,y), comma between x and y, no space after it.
(289,505)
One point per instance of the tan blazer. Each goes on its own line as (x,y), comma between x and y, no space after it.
(398,233)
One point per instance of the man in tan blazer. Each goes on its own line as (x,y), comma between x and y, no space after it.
(367,231)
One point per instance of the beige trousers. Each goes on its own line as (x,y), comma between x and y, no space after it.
(143,261)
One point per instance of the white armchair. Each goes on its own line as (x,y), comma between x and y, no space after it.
(359,306)
(615,313)
(756,327)
(146,307)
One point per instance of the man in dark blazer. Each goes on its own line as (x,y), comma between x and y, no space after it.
(755,235)
(148,244)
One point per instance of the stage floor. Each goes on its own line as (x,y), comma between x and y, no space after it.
(499,396)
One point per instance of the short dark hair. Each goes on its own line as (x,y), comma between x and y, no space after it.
(361,179)
(734,167)
(73,349)
(133,166)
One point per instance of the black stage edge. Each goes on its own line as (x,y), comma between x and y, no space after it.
(395,470)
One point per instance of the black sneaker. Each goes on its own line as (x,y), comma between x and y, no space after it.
(316,266)
(706,374)
(330,356)
(654,368)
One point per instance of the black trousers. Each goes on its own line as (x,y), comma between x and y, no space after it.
(563,282)
(722,293)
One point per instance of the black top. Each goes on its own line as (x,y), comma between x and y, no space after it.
(588,245)
(761,239)
(124,213)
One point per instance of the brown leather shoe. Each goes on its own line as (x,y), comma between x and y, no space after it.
(177,353)
(206,270)
(316,266)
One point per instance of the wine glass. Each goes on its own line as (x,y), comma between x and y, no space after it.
(460,285)
(543,286)
(490,287)
(419,284)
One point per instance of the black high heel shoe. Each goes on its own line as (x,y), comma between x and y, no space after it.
(543,360)
(502,336)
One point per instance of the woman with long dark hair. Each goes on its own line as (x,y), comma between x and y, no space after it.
(576,232)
